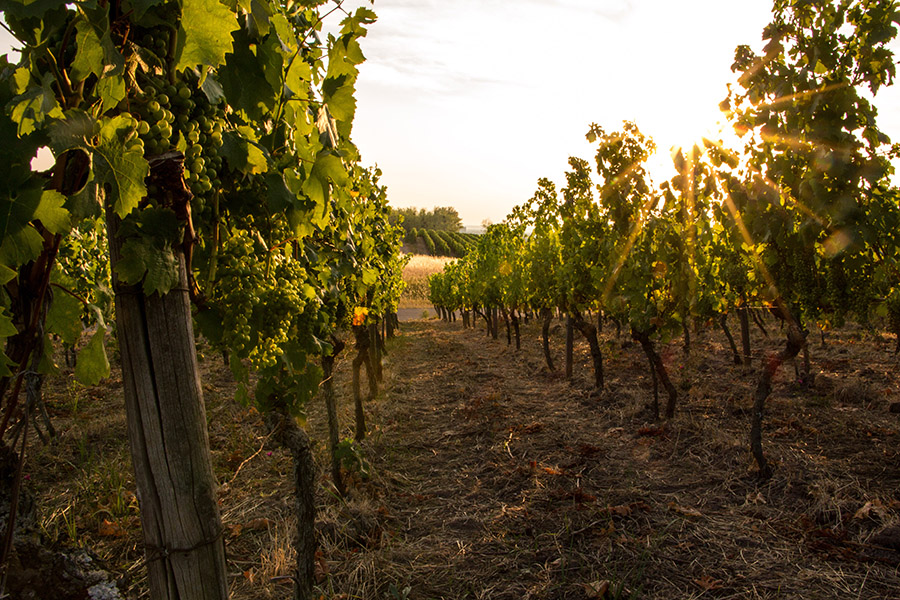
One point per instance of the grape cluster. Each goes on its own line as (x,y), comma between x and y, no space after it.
(156,118)
(180,117)
(264,302)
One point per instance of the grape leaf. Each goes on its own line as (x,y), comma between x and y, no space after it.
(18,210)
(141,7)
(341,103)
(244,81)
(279,196)
(212,89)
(5,364)
(22,247)
(242,154)
(119,163)
(30,109)
(89,58)
(7,328)
(209,323)
(144,259)
(92,365)
(369,276)
(209,36)
(285,33)
(51,213)
(64,317)
(6,274)
(72,131)
(111,90)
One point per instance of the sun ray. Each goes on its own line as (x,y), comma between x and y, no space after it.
(773,184)
(626,249)
(748,239)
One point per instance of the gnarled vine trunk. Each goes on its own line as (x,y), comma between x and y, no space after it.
(796,340)
(293,437)
(331,409)
(643,337)
(546,318)
(514,317)
(745,334)
(362,358)
(723,322)
(570,345)
(589,331)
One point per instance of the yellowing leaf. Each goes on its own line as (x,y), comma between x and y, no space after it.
(209,36)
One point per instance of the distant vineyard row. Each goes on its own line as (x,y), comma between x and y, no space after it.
(441,243)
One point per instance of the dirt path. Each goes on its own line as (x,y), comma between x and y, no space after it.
(486,476)
(500,480)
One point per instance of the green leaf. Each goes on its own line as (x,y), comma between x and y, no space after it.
(162,272)
(119,164)
(91,365)
(144,259)
(209,323)
(18,210)
(369,276)
(30,109)
(51,214)
(212,89)
(141,7)
(242,154)
(72,131)
(5,364)
(279,196)
(342,104)
(6,274)
(64,317)
(244,80)
(22,247)
(208,37)
(7,328)
(47,366)
(111,91)
(285,33)
(89,58)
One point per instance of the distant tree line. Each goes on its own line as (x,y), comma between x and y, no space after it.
(442,218)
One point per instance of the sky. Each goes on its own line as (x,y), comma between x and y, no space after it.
(467,103)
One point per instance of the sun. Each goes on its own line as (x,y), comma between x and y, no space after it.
(681,127)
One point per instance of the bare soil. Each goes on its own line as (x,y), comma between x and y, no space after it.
(485,475)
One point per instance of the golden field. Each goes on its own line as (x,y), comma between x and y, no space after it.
(416,275)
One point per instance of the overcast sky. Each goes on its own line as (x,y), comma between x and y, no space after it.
(466,103)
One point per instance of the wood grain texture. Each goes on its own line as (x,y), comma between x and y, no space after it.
(168,438)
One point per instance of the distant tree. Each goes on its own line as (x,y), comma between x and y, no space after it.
(441,218)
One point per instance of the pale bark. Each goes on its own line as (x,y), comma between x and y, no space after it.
(169,443)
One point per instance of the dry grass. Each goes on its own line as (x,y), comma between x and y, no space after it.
(488,476)
(415,274)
